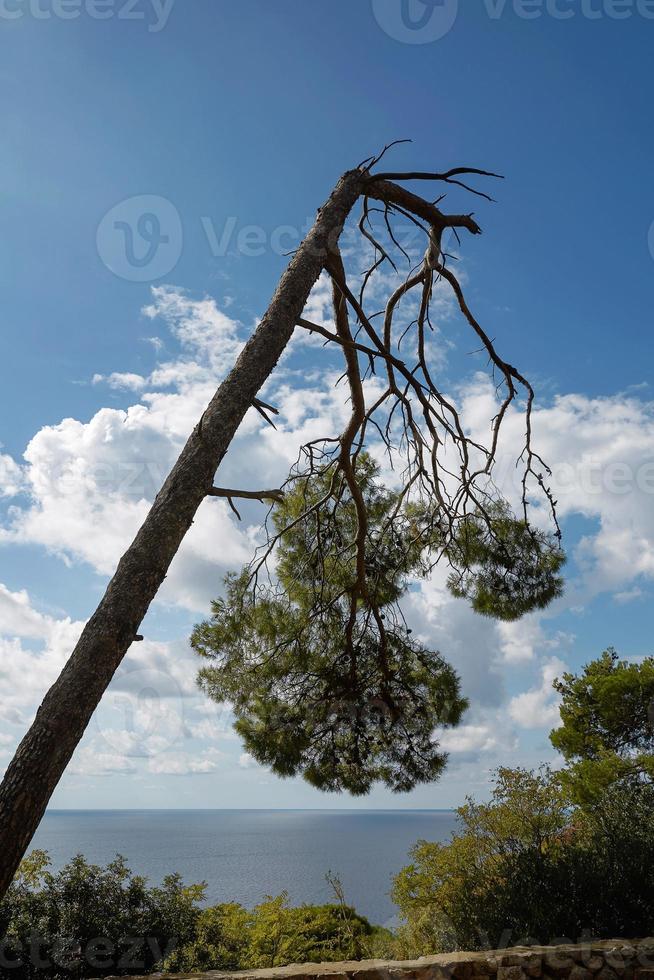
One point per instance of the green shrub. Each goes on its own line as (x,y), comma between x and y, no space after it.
(86,920)
(531,868)
(273,934)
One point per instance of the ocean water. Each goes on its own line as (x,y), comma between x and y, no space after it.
(244,855)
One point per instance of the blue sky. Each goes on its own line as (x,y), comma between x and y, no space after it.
(244,114)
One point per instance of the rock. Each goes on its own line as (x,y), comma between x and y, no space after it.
(580,973)
(510,973)
(559,964)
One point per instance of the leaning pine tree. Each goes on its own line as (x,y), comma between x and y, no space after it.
(446,506)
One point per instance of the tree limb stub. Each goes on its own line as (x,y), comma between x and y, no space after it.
(246,494)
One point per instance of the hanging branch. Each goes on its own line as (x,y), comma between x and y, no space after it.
(350,544)
(313,652)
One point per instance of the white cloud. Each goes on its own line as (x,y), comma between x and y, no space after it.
(26,671)
(87,761)
(472,740)
(122,381)
(180,764)
(11,476)
(204,331)
(539,706)
(629,595)
(89,485)
(19,618)
(519,640)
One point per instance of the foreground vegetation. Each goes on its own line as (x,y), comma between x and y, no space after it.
(552,856)
(87,921)
(529,868)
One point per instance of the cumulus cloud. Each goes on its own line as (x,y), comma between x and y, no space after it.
(90,484)
(11,476)
(211,340)
(539,706)
(181,764)
(86,487)
(470,741)
(121,381)
(87,761)
(33,649)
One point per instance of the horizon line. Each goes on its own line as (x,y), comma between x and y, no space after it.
(253,809)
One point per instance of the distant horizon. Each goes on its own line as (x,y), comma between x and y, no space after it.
(243,855)
(264,809)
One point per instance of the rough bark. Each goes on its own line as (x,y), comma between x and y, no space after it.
(66,710)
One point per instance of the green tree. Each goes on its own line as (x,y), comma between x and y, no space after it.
(87,920)
(220,941)
(490,877)
(504,567)
(407,415)
(324,677)
(607,730)
(529,867)
(306,934)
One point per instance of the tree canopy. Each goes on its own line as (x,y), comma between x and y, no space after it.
(324,675)
(87,921)
(607,730)
(503,566)
(273,933)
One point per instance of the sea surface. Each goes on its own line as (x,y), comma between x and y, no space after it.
(244,855)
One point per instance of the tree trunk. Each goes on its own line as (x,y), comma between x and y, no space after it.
(66,710)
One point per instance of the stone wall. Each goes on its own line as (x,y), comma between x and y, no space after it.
(607,960)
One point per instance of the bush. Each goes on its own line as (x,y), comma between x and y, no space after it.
(229,937)
(531,868)
(87,920)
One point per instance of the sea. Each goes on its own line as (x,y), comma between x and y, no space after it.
(245,855)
